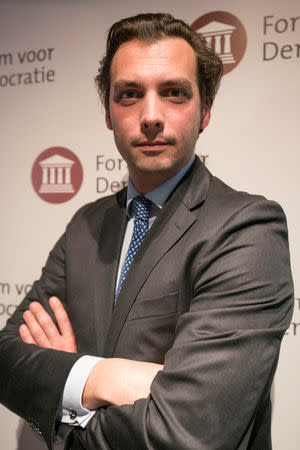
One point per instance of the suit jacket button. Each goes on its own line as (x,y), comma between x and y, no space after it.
(72,414)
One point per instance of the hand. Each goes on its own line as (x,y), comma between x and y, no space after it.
(41,330)
(116,381)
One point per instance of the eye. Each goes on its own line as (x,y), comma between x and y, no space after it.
(128,97)
(176,95)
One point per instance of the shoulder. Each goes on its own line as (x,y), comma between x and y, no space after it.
(214,202)
(225,204)
(93,211)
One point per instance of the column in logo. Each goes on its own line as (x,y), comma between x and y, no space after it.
(56,176)
(218,36)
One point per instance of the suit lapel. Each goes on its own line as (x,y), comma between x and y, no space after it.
(174,220)
(110,234)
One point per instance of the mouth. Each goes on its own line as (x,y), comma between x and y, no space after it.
(152,146)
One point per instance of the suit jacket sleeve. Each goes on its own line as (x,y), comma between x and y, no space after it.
(32,378)
(218,372)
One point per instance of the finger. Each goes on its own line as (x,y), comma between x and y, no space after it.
(64,324)
(26,335)
(46,323)
(35,330)
(61,316)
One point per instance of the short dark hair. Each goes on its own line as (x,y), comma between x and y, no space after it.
(150,28)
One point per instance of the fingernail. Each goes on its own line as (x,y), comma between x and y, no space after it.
(53,301)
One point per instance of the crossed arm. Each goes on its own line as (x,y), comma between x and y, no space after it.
(114,381)
(221,362)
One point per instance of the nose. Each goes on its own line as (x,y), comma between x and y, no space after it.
(152,121)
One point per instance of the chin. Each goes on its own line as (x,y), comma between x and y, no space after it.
(157,166)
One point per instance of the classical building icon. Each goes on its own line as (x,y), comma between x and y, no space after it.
(56,175)
(218,37)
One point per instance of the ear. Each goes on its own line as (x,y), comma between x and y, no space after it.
(108,119)
(205,117)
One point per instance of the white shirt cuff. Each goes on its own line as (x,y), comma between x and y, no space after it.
(72,411)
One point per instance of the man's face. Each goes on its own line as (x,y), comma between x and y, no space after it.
(154,108)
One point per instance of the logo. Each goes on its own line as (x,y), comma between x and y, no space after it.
(56,175)
(225,34)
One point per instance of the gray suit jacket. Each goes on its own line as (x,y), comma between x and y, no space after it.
(209,294)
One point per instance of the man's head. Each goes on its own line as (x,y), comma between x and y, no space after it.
(150,28)
(157,90)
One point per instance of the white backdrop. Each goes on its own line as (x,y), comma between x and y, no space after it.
(48,99)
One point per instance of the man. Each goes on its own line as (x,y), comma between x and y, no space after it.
(198,303)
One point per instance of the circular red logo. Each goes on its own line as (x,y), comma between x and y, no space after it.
(56,175)
(225,34)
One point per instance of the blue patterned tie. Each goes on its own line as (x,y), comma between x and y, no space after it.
(141,220)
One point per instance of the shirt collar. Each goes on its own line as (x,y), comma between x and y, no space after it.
(159,195)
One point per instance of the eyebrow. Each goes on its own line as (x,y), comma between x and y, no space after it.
(124,83)
(172,82)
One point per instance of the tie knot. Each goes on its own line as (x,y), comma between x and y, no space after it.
(142,207)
